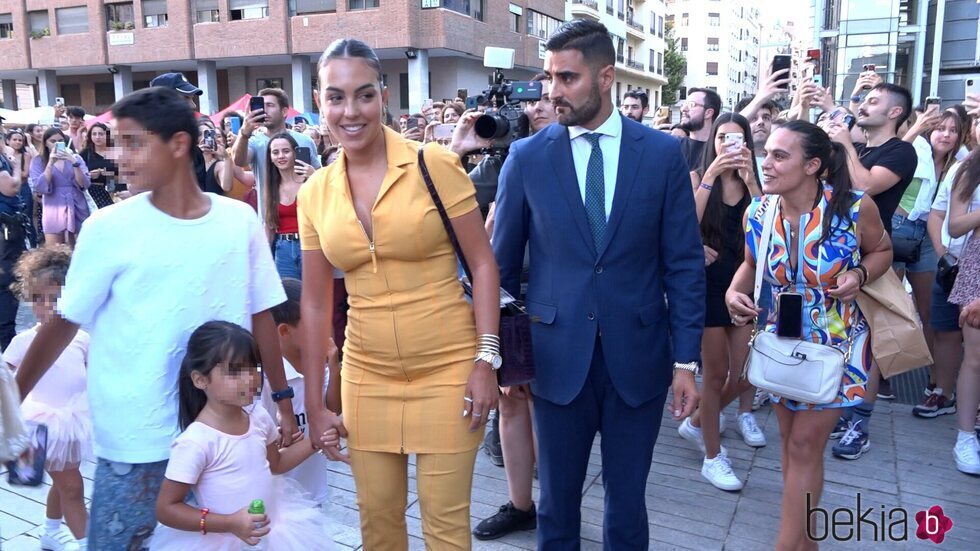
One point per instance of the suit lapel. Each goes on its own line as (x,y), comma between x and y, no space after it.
(560,152)
(629,162)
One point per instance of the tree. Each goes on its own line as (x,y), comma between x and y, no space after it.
(675,67)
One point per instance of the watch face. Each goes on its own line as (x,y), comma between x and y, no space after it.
(497,362)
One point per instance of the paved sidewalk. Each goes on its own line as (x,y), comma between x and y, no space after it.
(910,465)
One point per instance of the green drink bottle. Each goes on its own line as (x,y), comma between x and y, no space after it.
(257,507)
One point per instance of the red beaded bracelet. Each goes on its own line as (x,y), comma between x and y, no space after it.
(204,515)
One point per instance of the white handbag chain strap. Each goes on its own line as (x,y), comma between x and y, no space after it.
(762,259)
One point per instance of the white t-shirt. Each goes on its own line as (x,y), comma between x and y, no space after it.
(942,203)
(312,474)
(143,281)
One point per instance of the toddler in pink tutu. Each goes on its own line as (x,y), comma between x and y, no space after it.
(227,455)
(59,399)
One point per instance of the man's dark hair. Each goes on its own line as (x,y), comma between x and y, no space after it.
(903,98)
(589,37)
(75,111)
(640,95)
(770,105)
(159,110)
(281,97)
(288,312)
(711,100)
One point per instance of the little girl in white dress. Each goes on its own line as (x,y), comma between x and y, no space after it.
(227,455)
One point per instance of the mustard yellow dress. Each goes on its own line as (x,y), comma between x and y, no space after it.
(411,335)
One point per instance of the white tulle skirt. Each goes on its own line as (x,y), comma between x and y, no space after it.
(69,431)
(295,523)
(13,433)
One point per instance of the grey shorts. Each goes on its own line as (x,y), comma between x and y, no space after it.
(124,499)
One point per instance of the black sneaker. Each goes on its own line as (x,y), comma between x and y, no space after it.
(508,519)
(491,443)
(885,391)
(839,429)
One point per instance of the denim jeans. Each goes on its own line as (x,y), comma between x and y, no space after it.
(288,258)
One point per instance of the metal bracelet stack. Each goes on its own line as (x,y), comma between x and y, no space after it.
(488,344)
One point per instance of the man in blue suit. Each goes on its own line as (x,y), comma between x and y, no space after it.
(616,288)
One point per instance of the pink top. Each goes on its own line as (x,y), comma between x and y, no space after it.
(227,471)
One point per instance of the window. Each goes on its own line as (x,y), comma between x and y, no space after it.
(622,9)
(653,57)
(541,25)
(72,20)
(154,13)
(712,44)
(712,68)
(472,8)
(248,9)
(362,5)
(714,20)
(72,94)
(609,7)
(660,63)
(660,26)
(206,11)
(683,20)
(315,6)
(38,20)
(619,94)
(105,93)
(515,18)
(684,44)
(119,16)
(6,25)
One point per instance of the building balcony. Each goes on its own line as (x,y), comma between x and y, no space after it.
(636,65)
(635,27)
(585,7)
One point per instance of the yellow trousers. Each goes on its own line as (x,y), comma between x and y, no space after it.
(444,482)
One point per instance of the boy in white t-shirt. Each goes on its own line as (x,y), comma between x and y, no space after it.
(145,273)
(311,474)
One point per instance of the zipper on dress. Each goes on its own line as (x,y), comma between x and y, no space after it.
(374,256)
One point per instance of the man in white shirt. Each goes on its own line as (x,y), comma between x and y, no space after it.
(145,274)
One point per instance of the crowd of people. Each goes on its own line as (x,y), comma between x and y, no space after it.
(302,300)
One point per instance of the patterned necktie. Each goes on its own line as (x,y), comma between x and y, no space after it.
(595,191)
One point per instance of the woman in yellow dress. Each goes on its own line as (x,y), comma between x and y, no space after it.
(410,383)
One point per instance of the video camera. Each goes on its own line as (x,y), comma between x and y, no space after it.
(502,121)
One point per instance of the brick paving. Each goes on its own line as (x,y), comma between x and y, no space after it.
(910,465)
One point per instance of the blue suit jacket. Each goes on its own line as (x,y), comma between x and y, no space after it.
(642,292)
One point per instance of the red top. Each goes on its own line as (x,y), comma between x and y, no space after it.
(288,222)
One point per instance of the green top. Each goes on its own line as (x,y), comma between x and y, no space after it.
(257,507)
(908,199)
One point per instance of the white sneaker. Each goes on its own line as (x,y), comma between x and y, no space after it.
(967,453)
(61,540)
(691,433)
(750,430)
(719,473)
(760,399)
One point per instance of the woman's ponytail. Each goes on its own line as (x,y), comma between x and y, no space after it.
(838,177)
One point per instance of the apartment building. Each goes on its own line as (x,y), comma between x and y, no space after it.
(91,53)
(721,42)
(637,29)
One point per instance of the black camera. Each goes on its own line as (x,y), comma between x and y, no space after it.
(502,121)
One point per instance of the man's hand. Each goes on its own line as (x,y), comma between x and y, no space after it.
(866,81)
(685,392)
(777,83)
(839,133)
(465,139)
(972,104)
(322,423)
(925,122)
(289,431)
(253,120)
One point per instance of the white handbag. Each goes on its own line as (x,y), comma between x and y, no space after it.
(796,369)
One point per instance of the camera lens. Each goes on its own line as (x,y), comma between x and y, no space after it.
(492,127)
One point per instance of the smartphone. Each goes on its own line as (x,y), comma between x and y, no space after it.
(209,139)
(255,103)
(427,105)
(780,62)
(818,80)
(472,102)
(789,315)
(60,147)
(733,141)
(462,93)
(443,131)
(411,123)
(60,102)
(972,86)
(304,154)
(933,100)
(868,67)
(236,125)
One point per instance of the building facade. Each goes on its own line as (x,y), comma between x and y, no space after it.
(91,53)
(637,29)
(721,42)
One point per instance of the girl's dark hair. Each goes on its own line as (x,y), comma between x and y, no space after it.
(47,264)
(350,48)
(89,145)
(10,134)
(816,144)
(712,223)
(213,343)
(962,127)
(968,175)
(270,211)
(45,152)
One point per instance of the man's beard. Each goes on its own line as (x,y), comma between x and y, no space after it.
(573,116)
(693,125)
(637,118)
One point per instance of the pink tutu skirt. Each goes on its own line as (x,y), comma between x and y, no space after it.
(69,431)
(295,521)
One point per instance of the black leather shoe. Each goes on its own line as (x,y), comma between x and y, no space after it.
(508,519)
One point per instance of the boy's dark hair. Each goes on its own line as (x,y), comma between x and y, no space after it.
(75,111)
(770,105)
(279,94)
(589,37)
(159,110)
(288,312)
(711,100)
(640,95)
(901,97)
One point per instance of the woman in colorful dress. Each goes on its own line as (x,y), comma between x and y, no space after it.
(826,243)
